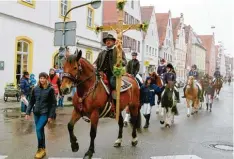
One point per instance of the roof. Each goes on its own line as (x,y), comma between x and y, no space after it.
(206,41)
(162,21)
(175,27)
(110,14)
(187,29)
(146,13)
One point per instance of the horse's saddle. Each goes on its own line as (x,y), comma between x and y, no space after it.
(125,85)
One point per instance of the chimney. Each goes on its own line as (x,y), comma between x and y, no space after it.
(181,18)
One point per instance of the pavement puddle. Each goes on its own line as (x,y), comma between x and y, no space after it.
(176,157)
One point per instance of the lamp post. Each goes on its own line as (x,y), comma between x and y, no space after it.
(95,4)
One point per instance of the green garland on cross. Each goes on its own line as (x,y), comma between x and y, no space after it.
(120,4)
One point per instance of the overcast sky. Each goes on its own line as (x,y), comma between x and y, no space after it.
(201,15)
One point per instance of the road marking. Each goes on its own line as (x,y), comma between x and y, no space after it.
(176,157)
(3,157)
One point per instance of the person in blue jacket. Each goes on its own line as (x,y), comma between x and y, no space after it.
(43,103)
(147,98)
(25,89)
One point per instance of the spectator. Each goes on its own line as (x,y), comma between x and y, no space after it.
(25,91)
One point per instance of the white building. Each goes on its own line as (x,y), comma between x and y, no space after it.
(166,47)
(27,35)
(179,46)
(220,59)
(150,40)
(132,39)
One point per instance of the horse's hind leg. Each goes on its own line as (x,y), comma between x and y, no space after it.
(127,117)
(135,121)
(120,135)
(75,117)
(93,131)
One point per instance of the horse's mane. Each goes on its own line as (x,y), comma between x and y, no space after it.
(72,59)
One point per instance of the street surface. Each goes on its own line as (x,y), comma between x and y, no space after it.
(188,136)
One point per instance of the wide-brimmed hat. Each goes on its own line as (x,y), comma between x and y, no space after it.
(134,54)
(170,66)
(110,37)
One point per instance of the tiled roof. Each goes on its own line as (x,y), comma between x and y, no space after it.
(175,27)
(206,41)
(110,14)
(146,13)
(162,21)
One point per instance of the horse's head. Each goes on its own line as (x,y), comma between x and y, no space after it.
(76,70)
(190,80)
(155,79)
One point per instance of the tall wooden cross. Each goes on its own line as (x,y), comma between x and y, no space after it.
(120,28)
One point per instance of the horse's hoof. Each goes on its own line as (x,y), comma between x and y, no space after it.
(125,124)
(196,112)
(117,144)
(139,130)
(161,122)
(188,115)
(167,126)
(192,113)
(210,110)
(88,155)
(75,147)
(134,143)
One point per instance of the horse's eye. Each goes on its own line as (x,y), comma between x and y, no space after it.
(75,68)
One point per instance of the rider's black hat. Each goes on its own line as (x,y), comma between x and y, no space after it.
(170,66)
(109,37)
(134,54)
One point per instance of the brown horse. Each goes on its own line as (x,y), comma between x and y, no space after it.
(191,94)
(158,81)
(218,84)
(91,99)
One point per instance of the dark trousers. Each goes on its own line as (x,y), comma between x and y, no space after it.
(40,122)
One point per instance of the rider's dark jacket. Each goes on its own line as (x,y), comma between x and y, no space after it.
(161,69)
(194,74)
(133,67)
(169,76)
(147,94)
(217,74)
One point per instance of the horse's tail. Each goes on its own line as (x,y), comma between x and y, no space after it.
(138,122)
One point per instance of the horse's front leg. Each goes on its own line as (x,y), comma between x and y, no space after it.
(75,117)
(188,107)
(93,131)
(120,135)
(135,121)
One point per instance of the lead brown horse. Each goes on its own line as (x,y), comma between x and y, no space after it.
(218,84)
(91,97)
(158,81)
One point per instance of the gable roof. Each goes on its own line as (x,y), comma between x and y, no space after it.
(146,13)
(206,41)
(175,27)
(162,21)
(110,14)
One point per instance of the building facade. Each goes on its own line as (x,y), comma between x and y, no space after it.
(188,41)
(132,39)
(229,61)
(179,46)
(209,43)
(220,59)
(166,47)
(150,40)
(28,31)
(198,54)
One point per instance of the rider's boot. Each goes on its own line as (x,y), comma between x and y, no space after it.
(147,117)
(210,106)
(184,92)
(207,106)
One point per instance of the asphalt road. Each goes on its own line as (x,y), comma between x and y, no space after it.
(188,136)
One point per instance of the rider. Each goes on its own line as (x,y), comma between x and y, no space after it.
(133,67)
(162,68)
(171,76)
(216,74)
(193,72)
(107,59)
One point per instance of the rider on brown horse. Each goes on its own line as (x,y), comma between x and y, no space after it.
(216,74)
(171,76)
(162,68)
(193,72)
(107,59)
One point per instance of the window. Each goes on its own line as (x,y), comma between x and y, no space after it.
(125,17)
(147,49)
(132,4)
(28,3)
(90,17)
(65,5)
(89,55)
(23,57)
(138,46)
(152,51)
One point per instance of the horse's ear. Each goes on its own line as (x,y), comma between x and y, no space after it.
(78,55)
(150,74)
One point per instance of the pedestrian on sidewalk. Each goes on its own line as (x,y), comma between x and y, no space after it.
(147,98)
(43,102)
(25,91)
